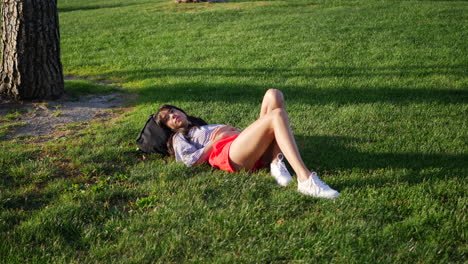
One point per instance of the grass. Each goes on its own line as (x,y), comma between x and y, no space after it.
(80,87)
(377,95)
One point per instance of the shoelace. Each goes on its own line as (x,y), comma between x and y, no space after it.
(283,168)
(318,182)
(281,164)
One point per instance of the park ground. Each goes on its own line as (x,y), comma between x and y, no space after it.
(377,93)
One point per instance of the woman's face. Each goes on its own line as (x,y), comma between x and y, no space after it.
(174,118)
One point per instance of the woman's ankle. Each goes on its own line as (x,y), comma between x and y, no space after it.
(303,176)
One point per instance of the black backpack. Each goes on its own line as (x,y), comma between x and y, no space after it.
(153,138)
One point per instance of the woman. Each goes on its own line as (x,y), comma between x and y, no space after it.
(265,141)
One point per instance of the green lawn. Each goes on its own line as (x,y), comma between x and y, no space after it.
(377,93)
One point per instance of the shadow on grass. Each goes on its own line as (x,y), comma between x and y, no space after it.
(198,92)
(203,91)
(334,155)
(317,72)
(31,201)
(28,202)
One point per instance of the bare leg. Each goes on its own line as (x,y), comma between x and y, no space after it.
(272,100)
(267,136)
(254,141)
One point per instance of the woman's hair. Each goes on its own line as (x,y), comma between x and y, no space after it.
(192,122)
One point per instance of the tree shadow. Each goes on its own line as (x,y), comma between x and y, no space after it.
(204,91)
(332,153)
(309,72)
(27,202)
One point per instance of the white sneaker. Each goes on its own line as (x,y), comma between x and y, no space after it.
(279,171)
(317,188)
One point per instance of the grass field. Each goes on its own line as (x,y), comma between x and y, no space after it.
(377,93)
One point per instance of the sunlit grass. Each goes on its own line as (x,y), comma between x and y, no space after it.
(377,97)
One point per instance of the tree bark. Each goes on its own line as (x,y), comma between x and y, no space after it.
(31,66)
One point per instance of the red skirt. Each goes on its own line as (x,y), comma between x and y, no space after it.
(219,157)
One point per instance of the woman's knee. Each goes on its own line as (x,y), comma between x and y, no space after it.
(275,97)
(278,113)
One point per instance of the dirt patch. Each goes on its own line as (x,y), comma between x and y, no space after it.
(45,117)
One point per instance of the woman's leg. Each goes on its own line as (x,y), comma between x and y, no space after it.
(269,134)
(252,143)
(273,99)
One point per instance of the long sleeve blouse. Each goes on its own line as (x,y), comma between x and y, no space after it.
(190,151)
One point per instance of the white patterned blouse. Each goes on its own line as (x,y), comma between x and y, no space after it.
(190,151)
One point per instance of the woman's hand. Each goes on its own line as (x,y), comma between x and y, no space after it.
(223,131)
(217,135)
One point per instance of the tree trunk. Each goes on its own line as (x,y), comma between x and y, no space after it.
(31,66)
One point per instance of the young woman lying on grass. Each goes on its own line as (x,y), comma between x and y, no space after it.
(227,148)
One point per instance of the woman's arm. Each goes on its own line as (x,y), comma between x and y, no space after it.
(186,151)
(205,154)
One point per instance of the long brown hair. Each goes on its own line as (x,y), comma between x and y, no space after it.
(192,122)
